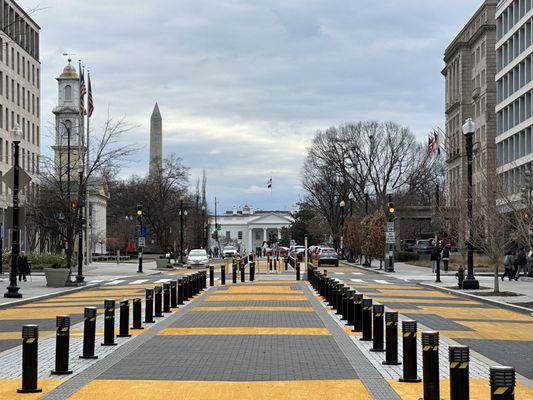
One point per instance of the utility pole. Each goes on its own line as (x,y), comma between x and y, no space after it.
(140,238)
(390,237)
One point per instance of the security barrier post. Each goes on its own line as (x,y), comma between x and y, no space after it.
(409,333)
(149,307)
(89,332)
(367,319)
(391,335)
(459,358)
(350,308)
(357,312)
(30,336)
(173,294)
(62,345)
(502,383)
(158,299)
(166,297)
(377,323)
(137,314)
(211,275)
(109,323)
(124,319)
(243,271)
(234,272)
(430,365)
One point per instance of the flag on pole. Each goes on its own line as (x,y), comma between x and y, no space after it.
(83,90)
(269,183)
(433,144)
(90,102)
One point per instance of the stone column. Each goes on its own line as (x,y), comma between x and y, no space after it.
(279,234)
(264,234)
(250,240)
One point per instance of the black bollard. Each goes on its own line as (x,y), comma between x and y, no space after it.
(234,272)
(149,307)
(252,271)
(89,332)
(30,336)
(158,301)
(459,358)
(275,265)
(137,312)
(345,295)
(173,294)
(338,301)
(430,365)
(391,334)
(285,264)
(211,276)
(297,270)
(270,264)
(409,333)
(124,319)
(188,288)
(222,275)
(166,297)
(62,345)
(243,271)
(109,323)
(377,324)
(367,319)
(357,312)
(350,309)
(502,383)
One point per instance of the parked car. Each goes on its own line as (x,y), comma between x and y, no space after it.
(408,245)
(229,251)
(198,257)
(327,255)
(297,251)
(424,246)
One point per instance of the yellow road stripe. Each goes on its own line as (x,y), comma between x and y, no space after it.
(252,308)
(8,389)
(256,297)
(217,331)
(216,390)
(259,289)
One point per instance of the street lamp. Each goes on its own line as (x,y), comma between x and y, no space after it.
(351,197)
(342,204)
(182,214)
(13,289)
(366,201)
(204,228)
(469,128)
(80,278)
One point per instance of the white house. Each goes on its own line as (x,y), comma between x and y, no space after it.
(248,228)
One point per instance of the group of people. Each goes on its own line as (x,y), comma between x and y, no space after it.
(515,263)
(438,254)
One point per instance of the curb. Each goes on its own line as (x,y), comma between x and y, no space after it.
(481,299)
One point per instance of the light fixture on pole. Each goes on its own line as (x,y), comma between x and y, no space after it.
(181,228)
(469,128)
(342,204)
(204,228)
(13,289)
(351,197)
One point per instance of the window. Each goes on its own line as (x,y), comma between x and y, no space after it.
(68,93)
(239,235)
(228,235)
(482,50)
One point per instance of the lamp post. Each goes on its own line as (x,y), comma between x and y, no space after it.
(140,242)
(13,289)
(470,281)
(182,214)
(366,201)
(80,278)
(342,204)
(351,197)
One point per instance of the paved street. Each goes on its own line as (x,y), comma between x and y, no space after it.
(274,338)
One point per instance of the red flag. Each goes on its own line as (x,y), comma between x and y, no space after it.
(90,102)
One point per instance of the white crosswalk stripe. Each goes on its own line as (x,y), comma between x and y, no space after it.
(339,273)
(137,282)
(357,280)
(357,273)
(116,282)
(163,281)
(96,281)
(382,281)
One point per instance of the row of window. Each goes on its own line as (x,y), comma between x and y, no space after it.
(30,131)
(15,26)
(514,13)
(29,161)
(480,79)
(517,43)
(515,113)
(514,180)
(18,93)
(514,147)
(22,64)
(515,79)
(479,53)
(239,235)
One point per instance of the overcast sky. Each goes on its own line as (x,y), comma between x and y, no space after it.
(243,85)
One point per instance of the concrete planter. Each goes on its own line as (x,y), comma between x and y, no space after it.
(161,263)
(56,277)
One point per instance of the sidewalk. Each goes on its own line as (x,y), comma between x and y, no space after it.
(423,275)
(35,288)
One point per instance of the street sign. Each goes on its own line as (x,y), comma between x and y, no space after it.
(390,238)
(142,242)
(9,177)
(143,231)
(390,226)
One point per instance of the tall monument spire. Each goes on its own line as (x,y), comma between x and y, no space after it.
(156,140)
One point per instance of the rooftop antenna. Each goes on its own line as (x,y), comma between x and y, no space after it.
(69,55)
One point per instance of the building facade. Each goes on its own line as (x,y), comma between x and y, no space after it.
(470,92)
(20,94)
(514,109)
(249,229)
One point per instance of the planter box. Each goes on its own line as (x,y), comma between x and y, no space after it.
(56,277)
(161,263)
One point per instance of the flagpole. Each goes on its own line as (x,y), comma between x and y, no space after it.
(88,238)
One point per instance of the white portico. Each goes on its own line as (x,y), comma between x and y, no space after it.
(249,229)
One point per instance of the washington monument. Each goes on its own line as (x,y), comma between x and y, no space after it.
(156,141)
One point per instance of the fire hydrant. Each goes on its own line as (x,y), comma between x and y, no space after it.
(460,276)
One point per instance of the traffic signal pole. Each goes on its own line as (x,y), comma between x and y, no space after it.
(139,247)
(389,265)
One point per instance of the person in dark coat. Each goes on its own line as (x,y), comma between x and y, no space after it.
(22,266)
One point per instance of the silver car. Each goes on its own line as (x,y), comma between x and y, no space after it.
(198,257)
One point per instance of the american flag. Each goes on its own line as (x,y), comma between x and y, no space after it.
(433,144)
(90,102)
(83,90)
(269,183)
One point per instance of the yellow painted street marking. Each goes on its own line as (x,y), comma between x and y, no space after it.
(252,308)
(38,313)
(217,390)
(260,289)
(18,335)
(384,300)
(8,389)
(493,331)
(100,332)
(414,293)
(479,389)
(349,332)
(217,331)
(256,297)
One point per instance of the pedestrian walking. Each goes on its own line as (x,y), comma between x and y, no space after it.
(435,258)
(521,263)
(446,256)
(22,266)
(508,265)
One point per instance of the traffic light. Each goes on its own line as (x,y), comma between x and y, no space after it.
(74,204)
(526,216)
(140,210)
(391,211)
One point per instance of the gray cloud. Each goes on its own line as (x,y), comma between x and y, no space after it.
(243,85)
